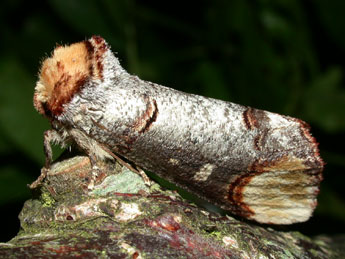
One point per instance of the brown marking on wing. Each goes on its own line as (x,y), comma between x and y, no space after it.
(145,121)
(141,125)
(90,51)
(101,48)
(249,119)
(235,195)
(305,131)
(254,118)
(257,142)
(287,163)
(260,139)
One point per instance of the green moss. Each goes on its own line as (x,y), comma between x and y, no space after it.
(216,234)
(155,188)
(47,200)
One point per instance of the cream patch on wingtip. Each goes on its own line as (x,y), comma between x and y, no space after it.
(204,172)
(281,197)
(286,163)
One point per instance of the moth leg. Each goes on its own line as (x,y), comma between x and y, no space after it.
(144,176)
(49,137)
(95,170)
(87,145)
(135,169)
(40,179)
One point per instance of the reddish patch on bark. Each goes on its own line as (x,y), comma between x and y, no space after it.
(164,222)
(184,239)
(65,249)
(125,194)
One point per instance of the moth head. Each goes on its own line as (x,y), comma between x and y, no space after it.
(66,72)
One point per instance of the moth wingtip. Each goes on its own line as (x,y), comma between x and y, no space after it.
(281,193)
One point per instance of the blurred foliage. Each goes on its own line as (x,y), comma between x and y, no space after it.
(285,56)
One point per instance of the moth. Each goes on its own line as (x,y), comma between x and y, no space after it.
(256,164)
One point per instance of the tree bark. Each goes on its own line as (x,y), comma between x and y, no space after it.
(113,214)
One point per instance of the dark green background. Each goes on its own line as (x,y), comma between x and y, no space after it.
(285,56)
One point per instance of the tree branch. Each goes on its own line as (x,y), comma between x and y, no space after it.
(114,214)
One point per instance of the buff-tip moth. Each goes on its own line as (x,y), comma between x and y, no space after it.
(257,164)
